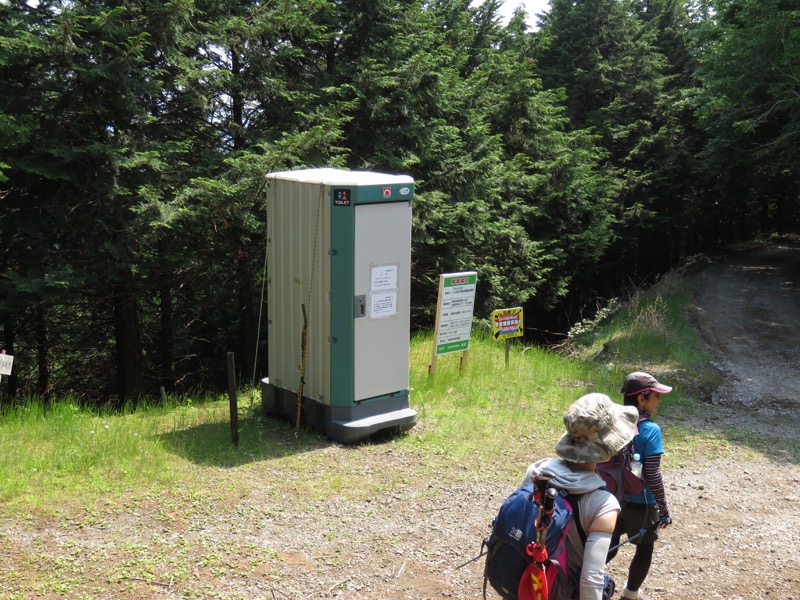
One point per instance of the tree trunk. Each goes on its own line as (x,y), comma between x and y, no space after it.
(244,274)
(237,102)
(42,353)
(166,332)
(126,329)
(247,314)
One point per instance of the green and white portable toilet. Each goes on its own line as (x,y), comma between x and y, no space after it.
(338,264)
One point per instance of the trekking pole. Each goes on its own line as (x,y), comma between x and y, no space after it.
(534,575)
(472,560)
(642,531)
(548,505)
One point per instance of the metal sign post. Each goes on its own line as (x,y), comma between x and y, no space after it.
(506,324)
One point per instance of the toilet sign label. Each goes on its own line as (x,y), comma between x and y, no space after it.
(341,196)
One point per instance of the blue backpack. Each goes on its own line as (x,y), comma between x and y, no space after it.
(514,528)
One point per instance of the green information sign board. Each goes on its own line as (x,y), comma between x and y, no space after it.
(454,312)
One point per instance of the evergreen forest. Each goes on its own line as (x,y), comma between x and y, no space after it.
(563,156)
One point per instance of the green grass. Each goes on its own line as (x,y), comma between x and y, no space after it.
(652,330)
(484,405)
(489,418)
(60,450)
(493,407)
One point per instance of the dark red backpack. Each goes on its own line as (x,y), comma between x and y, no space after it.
(617,474)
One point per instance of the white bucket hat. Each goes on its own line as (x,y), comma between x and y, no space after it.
(597,428)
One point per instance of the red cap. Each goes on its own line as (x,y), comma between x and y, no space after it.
(641,382)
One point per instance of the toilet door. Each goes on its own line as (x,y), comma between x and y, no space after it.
(382,278)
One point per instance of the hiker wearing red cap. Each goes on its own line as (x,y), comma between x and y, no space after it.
(650,507)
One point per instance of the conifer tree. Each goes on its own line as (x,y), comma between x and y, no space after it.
(748,54)
(609,58)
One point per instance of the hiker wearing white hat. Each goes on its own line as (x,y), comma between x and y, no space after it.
(596,429)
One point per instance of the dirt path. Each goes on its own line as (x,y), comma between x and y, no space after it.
(748,310)
(737,516)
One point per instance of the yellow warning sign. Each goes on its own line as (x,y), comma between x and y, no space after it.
(507,323)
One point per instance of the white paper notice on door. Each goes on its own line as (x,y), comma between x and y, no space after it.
(383,304)
(383,277)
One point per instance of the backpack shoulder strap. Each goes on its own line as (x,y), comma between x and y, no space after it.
(642,419)
(574,500)
(563,572)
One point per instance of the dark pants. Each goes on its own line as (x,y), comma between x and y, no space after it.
(631,520)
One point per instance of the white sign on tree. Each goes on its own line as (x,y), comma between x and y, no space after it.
(6,362)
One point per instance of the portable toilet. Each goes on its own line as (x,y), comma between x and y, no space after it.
(338,264)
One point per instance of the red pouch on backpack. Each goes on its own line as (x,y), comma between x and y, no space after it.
(534,584)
